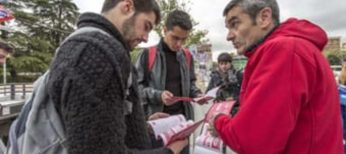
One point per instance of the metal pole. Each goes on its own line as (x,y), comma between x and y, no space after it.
(23,96)
(13,91)
(4,73)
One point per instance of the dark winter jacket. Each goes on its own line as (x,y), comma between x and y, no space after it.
(88,84)
(230,83)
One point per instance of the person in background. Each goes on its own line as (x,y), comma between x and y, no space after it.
(342,94)
(5,50)
(227,77)
(289,101)
(92,81)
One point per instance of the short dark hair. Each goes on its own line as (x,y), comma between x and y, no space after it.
(178,18)
(253,7)
(6,47)
(141,6)
(224,57)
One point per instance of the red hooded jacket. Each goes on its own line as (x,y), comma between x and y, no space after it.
(289,98)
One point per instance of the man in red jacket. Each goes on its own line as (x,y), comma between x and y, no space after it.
(289,101)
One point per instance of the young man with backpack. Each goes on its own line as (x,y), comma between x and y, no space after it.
(92,88)
(166,70)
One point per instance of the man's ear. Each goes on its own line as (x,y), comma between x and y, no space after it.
(165,30)
(265,18)
(127,6)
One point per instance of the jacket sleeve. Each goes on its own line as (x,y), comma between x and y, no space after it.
(277,87)
(148,94)
(92,115)
(194,90)
(212,82)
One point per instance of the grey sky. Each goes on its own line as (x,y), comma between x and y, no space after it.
(329,14)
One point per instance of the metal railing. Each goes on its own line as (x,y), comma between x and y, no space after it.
(13,91)
(12,97)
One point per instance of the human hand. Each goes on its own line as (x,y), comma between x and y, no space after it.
(167,98)
(229,99)
(218,99)
(211,122)
(177,146)
(158,115)
(201,99)
(212,130)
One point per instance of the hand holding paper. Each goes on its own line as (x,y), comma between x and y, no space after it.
(206,143)
(208,96)
(184,99)
(158,115)
(167,98)
(173,128)
(219,108)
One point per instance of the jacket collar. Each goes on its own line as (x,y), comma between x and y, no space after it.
(250,50)
(97,20)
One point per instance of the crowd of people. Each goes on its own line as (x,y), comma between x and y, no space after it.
(287,99)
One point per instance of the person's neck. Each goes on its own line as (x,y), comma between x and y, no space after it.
(222,72)
(261,40)
(117,22)
(166,48)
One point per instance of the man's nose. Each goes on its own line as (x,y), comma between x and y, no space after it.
(145,38)
(180,43)
(230,36)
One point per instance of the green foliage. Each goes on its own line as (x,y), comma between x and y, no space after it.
(134,54)
(197,37)
(334,60)
(40,26)
(334,57)
(26,63)
(166,6)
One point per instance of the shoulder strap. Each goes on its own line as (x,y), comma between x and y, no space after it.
(188,57)
(80,31)
(151,57)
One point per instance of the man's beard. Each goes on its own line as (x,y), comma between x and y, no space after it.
(128,30)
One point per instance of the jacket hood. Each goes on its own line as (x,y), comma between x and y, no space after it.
(96,20)
(302,29)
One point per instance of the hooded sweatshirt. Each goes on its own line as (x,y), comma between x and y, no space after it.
(289,98)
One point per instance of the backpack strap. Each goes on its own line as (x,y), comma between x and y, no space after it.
(80,31)
(151,57)
(22,118)
(188,57)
